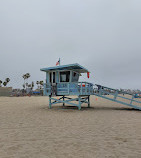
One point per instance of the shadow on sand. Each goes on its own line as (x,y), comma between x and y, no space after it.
(96,108)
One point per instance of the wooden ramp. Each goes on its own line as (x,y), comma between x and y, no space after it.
(116,96)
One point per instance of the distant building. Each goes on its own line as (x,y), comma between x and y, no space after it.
(28,90)
(5,91)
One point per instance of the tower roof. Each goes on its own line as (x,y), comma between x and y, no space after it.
(76,67)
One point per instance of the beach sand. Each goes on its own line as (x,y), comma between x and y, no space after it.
(28,129)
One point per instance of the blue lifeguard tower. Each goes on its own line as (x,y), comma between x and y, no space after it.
(63,86)
(63,81)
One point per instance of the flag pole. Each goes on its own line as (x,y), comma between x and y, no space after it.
(59,61)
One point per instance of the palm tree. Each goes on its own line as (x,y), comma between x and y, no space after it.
(23,86)
(41,84)
(32,85)
(0,83)
(29,85)
(24,77)
(26,85)
(27,75)
(4,83)
(7,80)
(37,84)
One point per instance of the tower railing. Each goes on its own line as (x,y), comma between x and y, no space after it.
(73,88)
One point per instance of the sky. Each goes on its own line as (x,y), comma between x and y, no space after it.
(102,35)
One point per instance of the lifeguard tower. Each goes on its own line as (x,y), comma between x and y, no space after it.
(62,84)
(63,81)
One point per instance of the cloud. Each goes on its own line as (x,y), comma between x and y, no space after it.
(103,36)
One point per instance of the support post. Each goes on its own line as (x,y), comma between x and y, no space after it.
(88,101)
(81,88)
(63,100)
(115,95)
(132,99)
(50,101)
(79,105)
(71,101)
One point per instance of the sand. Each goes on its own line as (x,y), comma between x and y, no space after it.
(28,129)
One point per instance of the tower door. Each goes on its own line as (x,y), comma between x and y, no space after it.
(52,77)
(53,83)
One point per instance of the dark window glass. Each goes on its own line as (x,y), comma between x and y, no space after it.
(65,76)
(53,77)
(75,77)
(50,77)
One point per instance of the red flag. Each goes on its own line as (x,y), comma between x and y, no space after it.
(58,62)
(88,74)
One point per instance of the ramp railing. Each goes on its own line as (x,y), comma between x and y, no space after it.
(117,96)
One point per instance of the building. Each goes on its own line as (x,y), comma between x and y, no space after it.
(5,91)
(63,81)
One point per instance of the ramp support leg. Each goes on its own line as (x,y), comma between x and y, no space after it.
(50,101)
(63,100)
(88,101)
(79,105)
